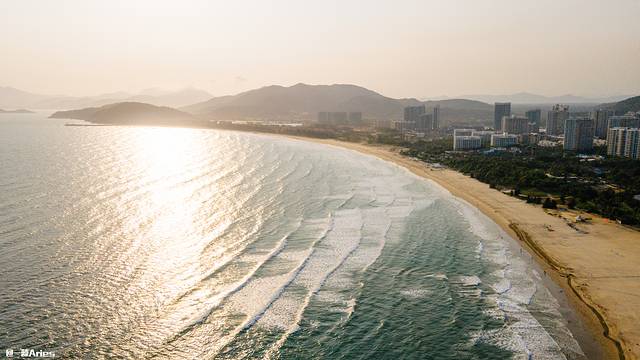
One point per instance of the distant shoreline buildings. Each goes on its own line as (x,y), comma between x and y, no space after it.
(515,125)
(500,110)
(601,119)
(340,118)
(623,136)
(574,131)
(556,118)
(417,122)
(578,134)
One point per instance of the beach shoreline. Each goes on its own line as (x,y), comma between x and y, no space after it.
(594,279)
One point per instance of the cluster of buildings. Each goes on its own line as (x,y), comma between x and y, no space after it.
(623,136)
(418,121)
(470,139)
(509,130)
(340,118)
(576,131)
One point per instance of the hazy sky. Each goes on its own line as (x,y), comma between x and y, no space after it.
(400,48)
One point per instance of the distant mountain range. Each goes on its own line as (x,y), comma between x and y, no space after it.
(528,98)
(127,113)
(270,103)
(303,102)
(15,98)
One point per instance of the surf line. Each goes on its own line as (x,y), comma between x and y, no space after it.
(566,272)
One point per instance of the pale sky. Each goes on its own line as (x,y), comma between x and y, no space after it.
(401,48)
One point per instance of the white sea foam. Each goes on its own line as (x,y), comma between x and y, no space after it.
(469,280)
(368,212)
(515,284)
(415,293)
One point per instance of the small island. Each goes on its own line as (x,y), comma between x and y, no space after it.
(17,111)
(131,113)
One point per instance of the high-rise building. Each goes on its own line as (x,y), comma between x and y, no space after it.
(601,119)
(425,123)
(628,120)
(436,117)
(412,113)
(500,110)
(623,141)
(578,134)
(616,138)
(556,118)
(535,120)
(515,124)
(534,116)
(632,144)
(466,142)
(504,140)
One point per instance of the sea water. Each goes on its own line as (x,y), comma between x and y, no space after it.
(142,242)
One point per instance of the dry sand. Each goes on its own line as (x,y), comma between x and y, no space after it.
(597,263)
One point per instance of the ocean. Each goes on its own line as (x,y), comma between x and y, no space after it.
(142,242)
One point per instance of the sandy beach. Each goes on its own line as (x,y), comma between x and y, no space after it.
(597,263)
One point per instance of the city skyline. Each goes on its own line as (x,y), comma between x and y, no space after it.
(407,49)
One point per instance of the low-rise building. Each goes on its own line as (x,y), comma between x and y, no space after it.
(340,118)
(504,140)
(466,142)
(383,124)
(484,135)
(529,139)
(462,132)
(355,118)
(404,126)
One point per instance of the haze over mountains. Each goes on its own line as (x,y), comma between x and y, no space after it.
(300,102)
(529,98)
(15,98)
(303,102)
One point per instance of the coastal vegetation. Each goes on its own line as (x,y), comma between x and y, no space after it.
(551,176)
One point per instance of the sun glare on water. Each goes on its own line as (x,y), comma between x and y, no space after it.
(167,160)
